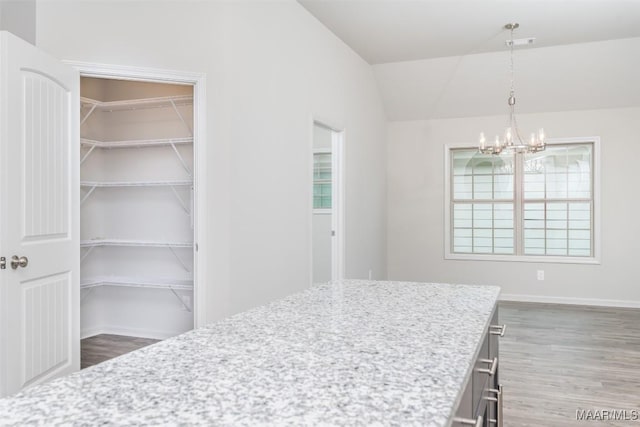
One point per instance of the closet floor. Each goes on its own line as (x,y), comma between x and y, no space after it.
(99,348)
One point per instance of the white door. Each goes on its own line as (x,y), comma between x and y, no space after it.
(39,216)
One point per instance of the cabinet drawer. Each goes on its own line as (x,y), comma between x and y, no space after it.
(479,402)
(494,344)
(465,407)
(480,377)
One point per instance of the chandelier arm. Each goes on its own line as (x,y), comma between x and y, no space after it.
(517,130)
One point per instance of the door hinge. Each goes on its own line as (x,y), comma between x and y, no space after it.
(3,263)
(333,233)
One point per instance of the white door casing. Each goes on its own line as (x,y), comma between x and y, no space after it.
(200,201)
(337,203)
(39,216)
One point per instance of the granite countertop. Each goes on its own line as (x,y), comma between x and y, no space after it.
(346,353)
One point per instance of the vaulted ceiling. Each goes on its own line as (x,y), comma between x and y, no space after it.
(439,59)
(402,30)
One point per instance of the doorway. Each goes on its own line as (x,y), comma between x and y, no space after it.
(142,193)
(327,205)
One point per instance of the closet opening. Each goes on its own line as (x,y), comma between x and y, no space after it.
(137,214)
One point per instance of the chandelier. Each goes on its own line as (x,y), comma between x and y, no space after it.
(511,141)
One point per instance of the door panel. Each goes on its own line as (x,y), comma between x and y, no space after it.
(45,157)
(39,216)
(46,326)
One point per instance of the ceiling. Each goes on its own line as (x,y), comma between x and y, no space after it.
(383,31)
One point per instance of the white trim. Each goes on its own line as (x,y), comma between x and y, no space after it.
(310,165)
(142,74)
(198,81)
(547,259)
(595,259)
(337,220)
(130,332)
(331,125)
(90,332)
(595,302)
(322,211)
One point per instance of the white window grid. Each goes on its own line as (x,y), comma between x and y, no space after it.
(519,203)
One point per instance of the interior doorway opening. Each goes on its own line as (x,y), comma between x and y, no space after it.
(328,203)
(137,213)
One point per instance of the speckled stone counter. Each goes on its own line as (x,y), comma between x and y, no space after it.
(348,353)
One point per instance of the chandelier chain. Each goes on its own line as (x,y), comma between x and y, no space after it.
(512,140)
(511,59)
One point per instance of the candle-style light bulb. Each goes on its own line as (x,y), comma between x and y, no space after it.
(497,143)
(541,136)
(508,136)
(533,140)
(483,141)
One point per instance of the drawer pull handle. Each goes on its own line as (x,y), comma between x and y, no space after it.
(498,420)
(498,330)
(494,366)
(468,421)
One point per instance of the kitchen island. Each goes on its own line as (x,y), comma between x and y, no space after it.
(345,353)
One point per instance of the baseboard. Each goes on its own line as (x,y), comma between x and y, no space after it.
(570,301)
(90,332)
(130,332)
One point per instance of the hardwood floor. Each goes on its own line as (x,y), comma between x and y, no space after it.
(556,359)
(103,347)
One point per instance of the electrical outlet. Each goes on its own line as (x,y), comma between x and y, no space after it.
(540,274)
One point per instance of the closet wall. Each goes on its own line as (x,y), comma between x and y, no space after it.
(136,212)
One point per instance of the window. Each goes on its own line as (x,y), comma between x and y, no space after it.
(322,180)
(538,206)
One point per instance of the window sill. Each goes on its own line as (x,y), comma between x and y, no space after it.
(524,258)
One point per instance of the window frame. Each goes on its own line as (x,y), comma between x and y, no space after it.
(518,211)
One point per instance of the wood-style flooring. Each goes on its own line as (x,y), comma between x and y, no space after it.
(99,348)
(556,359)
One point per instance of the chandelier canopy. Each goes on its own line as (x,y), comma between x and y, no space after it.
(511,141)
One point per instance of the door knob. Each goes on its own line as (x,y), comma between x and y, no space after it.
(19,262)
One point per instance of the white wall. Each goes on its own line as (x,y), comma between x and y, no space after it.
(416,197)
(270,66)
(19,18)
